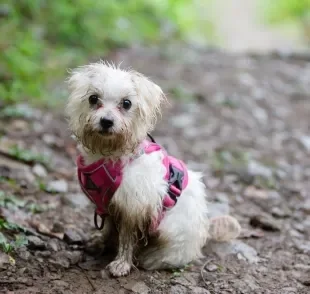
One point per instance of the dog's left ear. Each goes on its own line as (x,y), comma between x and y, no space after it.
(150,98)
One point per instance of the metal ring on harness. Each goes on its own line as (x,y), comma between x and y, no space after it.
(96,222)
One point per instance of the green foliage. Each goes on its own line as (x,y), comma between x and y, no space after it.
(278,11)
(222,159)
(9,246)
(39,39)
(27,155)
(12,202)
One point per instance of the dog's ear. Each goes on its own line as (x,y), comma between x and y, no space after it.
(150,98)
(77,79)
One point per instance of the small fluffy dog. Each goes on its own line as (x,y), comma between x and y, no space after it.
(157,207)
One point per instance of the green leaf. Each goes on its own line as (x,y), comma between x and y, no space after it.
(20,240)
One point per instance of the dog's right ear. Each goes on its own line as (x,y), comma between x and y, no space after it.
(75,79)
(150,97)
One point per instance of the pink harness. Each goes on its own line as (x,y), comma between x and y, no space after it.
(100,180)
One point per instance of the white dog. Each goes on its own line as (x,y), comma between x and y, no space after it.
(157,207)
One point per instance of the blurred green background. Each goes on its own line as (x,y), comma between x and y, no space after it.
(40,39)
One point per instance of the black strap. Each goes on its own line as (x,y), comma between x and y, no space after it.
(152,139)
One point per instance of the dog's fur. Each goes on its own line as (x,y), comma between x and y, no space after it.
(185,228)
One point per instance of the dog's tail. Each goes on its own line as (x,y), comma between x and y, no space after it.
(224,228)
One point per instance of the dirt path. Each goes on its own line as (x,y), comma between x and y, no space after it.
(240,28)
(243,120)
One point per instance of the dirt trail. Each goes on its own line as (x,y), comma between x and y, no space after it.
(243,120)
(240,28)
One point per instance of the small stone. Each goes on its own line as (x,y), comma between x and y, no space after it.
(280,213)
(52,140)
(58,227)
(234,247)
(222,197)
(21,271)
(303,246)
(257,169)
(302,267)
(305,142)
(77,200)
(265,222)
(39,170)
(19,125)
(59,186)
(72,237)
(180,281)
(53,245)
(4,260)
(182,121)
(60,283)
(43,254)
(104,274)
(137,287)
(255,193)
(218,209)
(306,206)
(73,256)
(35,242)
(211,267)
(23,253)
(199,290)
(178,289)
(60,261)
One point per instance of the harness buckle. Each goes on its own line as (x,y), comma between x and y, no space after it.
(96,221)
(175,182)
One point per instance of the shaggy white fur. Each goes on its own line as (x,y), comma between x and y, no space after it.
(101,92)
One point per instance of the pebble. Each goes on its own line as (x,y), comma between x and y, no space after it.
(211,267)
(235,247)
(4,260)
(23,253)
(180,281)
(59,186)
(104,274)
(35,242)
(53,245)
(199,290)
(182,121)
(280,212)
(73,256)
(43,254)
(305,142)
(265,222)
(137,287)
(178,289)
(71,236)
(218,209)
(60,283)
(78,200)
(19,125)
(306,206)
(257,169)
(303,246)
(60,261)
(39,170)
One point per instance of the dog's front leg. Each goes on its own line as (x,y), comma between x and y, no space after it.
(122,264)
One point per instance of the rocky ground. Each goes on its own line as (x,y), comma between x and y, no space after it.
(241,119)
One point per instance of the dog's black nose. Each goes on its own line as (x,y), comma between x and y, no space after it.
(106,123)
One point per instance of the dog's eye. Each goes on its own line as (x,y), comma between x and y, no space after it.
(93,99)
(126,104)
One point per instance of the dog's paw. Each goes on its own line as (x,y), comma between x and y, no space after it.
(224,228)
(119,268)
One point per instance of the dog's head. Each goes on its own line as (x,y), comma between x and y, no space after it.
(110,109)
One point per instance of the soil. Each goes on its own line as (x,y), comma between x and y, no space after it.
(241,119)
